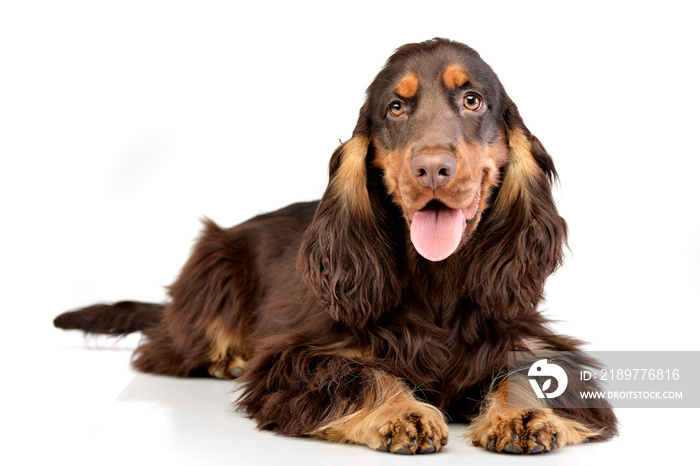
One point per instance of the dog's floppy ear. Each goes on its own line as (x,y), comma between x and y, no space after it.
(345,255)
(520,242)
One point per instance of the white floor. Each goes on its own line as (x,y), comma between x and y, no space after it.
(77,401)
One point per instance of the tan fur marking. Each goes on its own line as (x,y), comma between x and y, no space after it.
(521,169)
(391,418)
(454,76)
(532,344)
(391,164)
(408,86)
(498,425)
(350,180)
(225,352)
(337,349)
(474,162)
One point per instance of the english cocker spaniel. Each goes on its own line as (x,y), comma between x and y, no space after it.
(390,305)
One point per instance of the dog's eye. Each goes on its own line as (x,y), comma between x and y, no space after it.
(472,102)
(397,108)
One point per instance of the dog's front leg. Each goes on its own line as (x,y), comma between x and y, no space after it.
(339,398)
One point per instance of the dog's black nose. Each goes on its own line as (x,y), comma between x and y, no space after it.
(433,170)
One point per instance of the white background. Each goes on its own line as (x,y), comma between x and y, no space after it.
(123,123)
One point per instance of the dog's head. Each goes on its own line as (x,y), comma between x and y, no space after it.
(451,153)
(435,118)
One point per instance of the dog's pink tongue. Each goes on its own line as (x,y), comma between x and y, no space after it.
(436,231)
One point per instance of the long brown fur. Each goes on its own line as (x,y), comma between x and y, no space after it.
(340,329)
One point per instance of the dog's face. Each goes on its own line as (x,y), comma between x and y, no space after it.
(440,140)
(438,133)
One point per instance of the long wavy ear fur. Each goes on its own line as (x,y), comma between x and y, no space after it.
(346,256)
(520,242)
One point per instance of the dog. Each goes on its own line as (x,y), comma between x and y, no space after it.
(386,308)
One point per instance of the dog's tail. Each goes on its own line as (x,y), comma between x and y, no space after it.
(115,319)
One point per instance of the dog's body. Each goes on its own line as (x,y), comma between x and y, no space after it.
(362,317)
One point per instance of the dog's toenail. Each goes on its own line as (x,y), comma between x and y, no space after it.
(511,448)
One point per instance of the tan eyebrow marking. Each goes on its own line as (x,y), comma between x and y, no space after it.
(454,76)
(408,86)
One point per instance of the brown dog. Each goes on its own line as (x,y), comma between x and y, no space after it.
(368,316)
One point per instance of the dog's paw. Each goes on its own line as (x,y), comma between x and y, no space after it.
(412,434)
(228,369)
(403,428)
(525,431)
(390,419)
